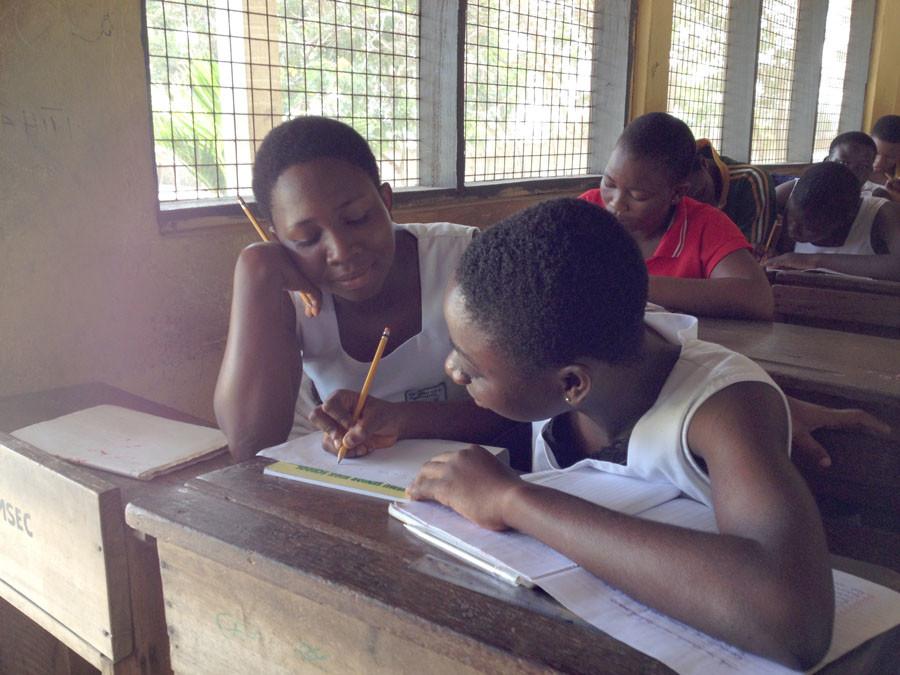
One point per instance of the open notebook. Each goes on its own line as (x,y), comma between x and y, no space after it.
(383,473)
(864,609)
(123,441)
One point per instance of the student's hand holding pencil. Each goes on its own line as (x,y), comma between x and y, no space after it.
(377,427)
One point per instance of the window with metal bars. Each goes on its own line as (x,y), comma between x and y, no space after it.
(697,66)
(774,81)
(831,82)
(224,72)
(527,88)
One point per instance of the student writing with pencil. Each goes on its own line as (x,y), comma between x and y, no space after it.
(547,320)
(699,261)
(333,239)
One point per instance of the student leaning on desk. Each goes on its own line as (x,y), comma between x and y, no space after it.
(830,225)
(698,259)
(547,321)
(317,181)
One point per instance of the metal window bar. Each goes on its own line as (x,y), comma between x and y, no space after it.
(831,83)
(527,88)
(774,81)
(224,72)
(697,63)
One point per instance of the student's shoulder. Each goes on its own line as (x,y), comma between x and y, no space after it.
(886,225)
(592,196)
(433,231)
(706,218)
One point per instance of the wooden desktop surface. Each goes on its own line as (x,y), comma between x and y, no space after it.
(265,574)
(869,306)
(857,368)
(36,641)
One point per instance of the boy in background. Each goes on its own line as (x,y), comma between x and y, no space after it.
(834,227)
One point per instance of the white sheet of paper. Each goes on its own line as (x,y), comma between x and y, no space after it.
(619,493)
(397,465)
(123,441)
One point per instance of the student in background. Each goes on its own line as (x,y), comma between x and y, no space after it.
(547,321)
(317,182)
(698,260)
(855,150)
(833,227)
(743,192)
(886,134)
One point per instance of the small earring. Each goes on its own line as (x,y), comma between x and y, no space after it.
(568,400)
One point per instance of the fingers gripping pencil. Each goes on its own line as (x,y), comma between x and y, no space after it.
(367,384)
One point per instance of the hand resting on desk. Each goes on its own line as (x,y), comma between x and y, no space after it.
(807,417)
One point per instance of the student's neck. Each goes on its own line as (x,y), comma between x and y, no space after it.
(647,240)
(612,418)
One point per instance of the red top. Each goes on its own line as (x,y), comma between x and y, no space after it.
(698,238)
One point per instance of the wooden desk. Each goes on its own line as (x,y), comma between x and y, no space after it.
(46,631)
(859,369)
(830,301)
(836,369)
(265,575)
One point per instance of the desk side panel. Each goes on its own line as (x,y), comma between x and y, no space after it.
(63,546)
(224,621)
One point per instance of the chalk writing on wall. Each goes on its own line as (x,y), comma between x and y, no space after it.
(32,21)
(43,123)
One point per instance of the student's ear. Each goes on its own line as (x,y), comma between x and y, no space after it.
(576,382)
(680,191)
(387,195)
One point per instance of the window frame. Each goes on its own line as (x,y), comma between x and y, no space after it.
(441,87)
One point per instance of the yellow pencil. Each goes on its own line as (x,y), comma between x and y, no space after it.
(307,299)
(367,384)
(776,228)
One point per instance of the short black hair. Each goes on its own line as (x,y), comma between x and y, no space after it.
(853,138)
(887,128)
(826,190)
(304,139)
(662,138)
(555,282)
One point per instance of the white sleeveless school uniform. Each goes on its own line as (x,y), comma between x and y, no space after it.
(658,448)
(869,187)
(859,238)
(413,371)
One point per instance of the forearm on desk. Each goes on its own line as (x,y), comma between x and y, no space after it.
(728,586)
(876,266)
(726,297)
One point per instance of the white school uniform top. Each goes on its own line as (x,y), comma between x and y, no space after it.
(658,448)
(413,371)
(869,187)
(859,238)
